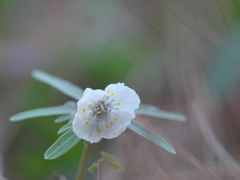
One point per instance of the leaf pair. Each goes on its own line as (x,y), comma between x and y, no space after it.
(62,85)
(68,139)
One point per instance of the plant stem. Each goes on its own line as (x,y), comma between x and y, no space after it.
(99,171)
(82,166)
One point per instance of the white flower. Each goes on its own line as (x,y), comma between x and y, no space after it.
(105,113)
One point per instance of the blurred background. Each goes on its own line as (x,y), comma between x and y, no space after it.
(179,55)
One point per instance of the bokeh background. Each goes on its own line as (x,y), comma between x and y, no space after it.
(179,55)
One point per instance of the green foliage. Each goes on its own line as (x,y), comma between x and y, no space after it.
(66,127)
(150,136)
(62,145)
(94,166)
(152,111)
(108,159)
(224,73)
(63,118)
(42,112)
(109,70)
(64,86)
(25,156)
(110,63)
(236,9)
(6,3)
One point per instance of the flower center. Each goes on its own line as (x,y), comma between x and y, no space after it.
(100,109)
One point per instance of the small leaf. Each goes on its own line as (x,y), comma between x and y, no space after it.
(116,165)
(108,159)
(152,111)
(93,168)
(42,112)
(64,86)
(62,145)
(63,118)
(150,136)
(66,127)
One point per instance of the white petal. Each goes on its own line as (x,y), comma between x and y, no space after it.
(92,95)
(123,97)
(89,98)
(85,129)
(84,125)
(117,123)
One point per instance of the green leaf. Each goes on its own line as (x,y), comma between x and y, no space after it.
(62,145)
(42,112)
(63,118)
(64,86)
(116,165)
(108,159)
(152,111)
(93,167)
(223,74)
(150,136)
(66,127)
(71,104)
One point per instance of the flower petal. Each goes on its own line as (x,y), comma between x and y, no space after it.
(116,123)
(89,99)
(92,95)
(85,128)
(123,97)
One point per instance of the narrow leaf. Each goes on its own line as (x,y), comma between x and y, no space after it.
(63,118)
(64,86)
(152,111)
(62,145)
(150,136)
(66,127)
(71,104)
(42,112)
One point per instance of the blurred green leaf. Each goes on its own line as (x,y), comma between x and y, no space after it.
(66,127)
(7,4)
(62,145)
(39,134)
(116,165)
(224,72)
(108,159)
(47,111)
(93,167)
(64,86)
(150,136)
(236,9)
(152,111)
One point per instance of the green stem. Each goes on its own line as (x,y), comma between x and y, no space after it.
(99,171)
(82,166)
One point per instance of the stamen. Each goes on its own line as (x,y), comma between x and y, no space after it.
(100,109)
